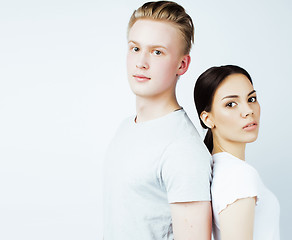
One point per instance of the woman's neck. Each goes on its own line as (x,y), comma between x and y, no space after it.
(235,149)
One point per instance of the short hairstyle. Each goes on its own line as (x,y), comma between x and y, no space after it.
(205,88)
(170,12)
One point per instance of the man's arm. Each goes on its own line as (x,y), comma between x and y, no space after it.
(192,220)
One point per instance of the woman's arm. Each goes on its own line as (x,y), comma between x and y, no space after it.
(192,220)
(237,219)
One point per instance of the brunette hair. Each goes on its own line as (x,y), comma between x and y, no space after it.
(205,88)
(170,12)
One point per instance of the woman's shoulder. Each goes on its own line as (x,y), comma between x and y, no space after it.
(229,167)
(232,179)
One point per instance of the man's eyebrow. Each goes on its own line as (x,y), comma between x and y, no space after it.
(149,46)
(157,46)
(236,96)
(131,41)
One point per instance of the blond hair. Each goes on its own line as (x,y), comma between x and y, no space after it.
(170,12)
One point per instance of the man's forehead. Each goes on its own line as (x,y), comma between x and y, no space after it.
(154,33)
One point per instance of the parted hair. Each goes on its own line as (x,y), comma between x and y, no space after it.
(170,12)
(205,88)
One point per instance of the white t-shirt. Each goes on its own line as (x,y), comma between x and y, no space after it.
(235,179)
(148,166)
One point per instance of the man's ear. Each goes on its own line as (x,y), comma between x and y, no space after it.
(207,119)
(184,65)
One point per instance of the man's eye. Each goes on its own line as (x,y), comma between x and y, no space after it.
(157,52)
(252,99)
(231,104)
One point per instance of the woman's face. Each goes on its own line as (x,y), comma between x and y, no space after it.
(235,111)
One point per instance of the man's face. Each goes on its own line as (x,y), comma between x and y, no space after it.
(154,58)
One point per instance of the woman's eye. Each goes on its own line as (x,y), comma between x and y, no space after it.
(231,104)
(252,99)
(157,52)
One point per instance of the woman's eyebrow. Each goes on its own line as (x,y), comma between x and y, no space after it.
(230,96)
(253,91)
(236,96)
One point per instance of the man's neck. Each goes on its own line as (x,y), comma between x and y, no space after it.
(149,108)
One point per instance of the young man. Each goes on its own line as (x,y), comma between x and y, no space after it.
(157,171)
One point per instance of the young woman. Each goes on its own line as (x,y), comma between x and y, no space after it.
(243,208)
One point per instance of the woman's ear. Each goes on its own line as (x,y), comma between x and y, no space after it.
(206,118)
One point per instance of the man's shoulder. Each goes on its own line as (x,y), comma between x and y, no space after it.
(126,122)
(187,139)
(185,127)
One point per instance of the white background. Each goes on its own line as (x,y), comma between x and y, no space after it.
(64,90)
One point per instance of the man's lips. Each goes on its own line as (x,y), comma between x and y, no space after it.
(141,78)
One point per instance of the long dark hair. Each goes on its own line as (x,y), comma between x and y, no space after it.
(205,88)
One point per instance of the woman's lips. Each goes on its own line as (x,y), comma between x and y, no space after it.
(251,126)
(141,78)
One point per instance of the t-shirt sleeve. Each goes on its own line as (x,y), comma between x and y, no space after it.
(186,171)
(231,184)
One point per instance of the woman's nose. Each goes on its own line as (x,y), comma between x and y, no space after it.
(246,111)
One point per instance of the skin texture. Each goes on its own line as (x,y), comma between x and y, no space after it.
(234,107)
(154,63)
(192,220)
(236,221)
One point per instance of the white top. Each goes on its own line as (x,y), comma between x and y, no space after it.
(235,179)
(148,166)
